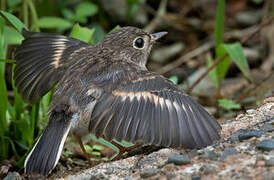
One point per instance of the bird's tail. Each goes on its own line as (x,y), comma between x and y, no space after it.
(46,152)
(42,60)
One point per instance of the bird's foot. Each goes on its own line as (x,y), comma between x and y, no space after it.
(122,150)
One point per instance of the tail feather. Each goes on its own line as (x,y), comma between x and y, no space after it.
(47,150)
(42,60)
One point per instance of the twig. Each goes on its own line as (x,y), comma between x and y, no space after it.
(243,41)
(245,94)
(205,47)
(157,19)
(206,72)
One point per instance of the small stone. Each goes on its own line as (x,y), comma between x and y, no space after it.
(170,176)
(212,155)
(149,172)
(268,175)
(250,111)
(267,127)
(249,134)
(260,163)
(208,168)
(228,152)
(196,177)
(179,159)
(248,18)
(127,178)
(266,145)
(109,171)
(270,162)
(13,176)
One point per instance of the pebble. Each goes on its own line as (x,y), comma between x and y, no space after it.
(149,172)
(178,159)
(250,111)
(266,145)
(267,127)
(270,162)
(196,177)
(228,152)
(249,134)
(212,155)
(13,176)
(170,176)
(208,168)
(109,171)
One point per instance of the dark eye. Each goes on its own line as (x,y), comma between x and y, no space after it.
(139,43)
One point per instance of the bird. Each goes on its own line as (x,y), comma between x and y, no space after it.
(105,90)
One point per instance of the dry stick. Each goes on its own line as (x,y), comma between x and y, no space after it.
(205,47)
(243,41)
(157,19)
(200,50)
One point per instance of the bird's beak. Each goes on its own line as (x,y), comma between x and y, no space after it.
(155,36)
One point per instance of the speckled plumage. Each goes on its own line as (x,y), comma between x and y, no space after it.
(106,90)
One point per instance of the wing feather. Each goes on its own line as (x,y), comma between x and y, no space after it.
(152,110)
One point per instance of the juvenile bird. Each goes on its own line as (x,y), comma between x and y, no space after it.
(105,90)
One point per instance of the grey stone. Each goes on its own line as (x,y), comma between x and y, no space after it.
(228,152)
(179,159)
(208,168)
(149,172)
(13,176)
(267,127)
(170,176)
(266,145)
(250,111)
(196,177)
(249,134)
(109,170)
(212,155)
(248,18)
(270,162)
(268,175)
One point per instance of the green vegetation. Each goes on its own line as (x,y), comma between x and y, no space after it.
(21,123)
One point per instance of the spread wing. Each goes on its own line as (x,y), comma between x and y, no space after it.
(150,109)
(41,61)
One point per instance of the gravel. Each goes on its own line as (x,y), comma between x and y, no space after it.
(249,156)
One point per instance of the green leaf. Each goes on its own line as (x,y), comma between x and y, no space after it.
(219,22)
(51,22)
(235,51)
(68,14)
(84,10)
(114,29)
(14,21)
(222,67)
(12,36)
(88,148)
(97,147)
(258,1)
(82,33)
(212,74)
(174,79)
(228,104)
(99,33)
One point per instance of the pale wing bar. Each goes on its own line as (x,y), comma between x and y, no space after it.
(164,118)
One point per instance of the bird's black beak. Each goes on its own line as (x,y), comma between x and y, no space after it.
(155,36)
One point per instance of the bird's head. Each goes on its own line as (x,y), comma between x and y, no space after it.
(131,43)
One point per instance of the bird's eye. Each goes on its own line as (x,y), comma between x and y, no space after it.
(139,43)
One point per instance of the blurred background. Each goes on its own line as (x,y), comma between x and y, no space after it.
(236,34)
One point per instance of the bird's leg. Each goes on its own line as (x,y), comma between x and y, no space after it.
(123,149)
(80,142)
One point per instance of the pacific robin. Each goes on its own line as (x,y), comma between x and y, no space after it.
(106,90)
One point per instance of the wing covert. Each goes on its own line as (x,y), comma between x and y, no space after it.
(150,109)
